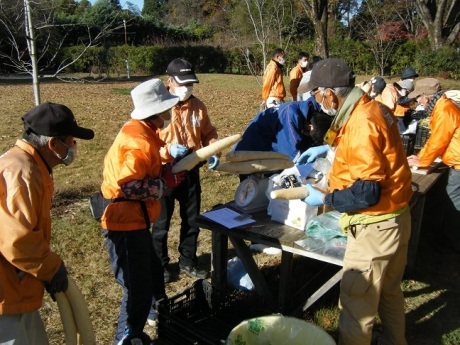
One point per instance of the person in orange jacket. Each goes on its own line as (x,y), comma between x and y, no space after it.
(134,180)
(295,76)
(273,91)
(370,182)
(190,129)
(443,142)
(27,263)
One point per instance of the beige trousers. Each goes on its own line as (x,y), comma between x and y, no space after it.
(374,263)
(22,329)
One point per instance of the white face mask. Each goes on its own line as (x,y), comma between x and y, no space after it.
(330,112)
(372,94)
(303,64)
(183,92)
(282,61)
(70,155)
(166,123)
(402,92)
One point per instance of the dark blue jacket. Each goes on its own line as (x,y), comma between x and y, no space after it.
(278,130)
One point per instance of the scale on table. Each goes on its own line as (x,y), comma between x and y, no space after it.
(250,195)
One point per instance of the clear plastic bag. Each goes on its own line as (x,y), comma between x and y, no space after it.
(237,277)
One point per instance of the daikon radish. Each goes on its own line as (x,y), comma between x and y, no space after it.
(254,166)
(67,318)
(290,193)
(243,156)
(80,312)
(190,161)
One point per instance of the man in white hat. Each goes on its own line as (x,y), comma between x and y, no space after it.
(134,181)
(443,142)
(370,182)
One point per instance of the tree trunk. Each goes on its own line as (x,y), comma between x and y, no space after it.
(32,51)
(317,12)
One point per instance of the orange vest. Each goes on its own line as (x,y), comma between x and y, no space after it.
(295,77)
(134,155)
(26,260)
(369,148)
(273,82)
(444,140)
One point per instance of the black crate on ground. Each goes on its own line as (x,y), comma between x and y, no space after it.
(202,315)
(408,141)
(421,136)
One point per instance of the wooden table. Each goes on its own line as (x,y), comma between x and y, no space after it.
(284,237)
(272,234)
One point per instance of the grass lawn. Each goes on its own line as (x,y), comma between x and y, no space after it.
(432,292)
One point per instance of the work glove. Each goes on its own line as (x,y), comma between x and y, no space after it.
(312,153)
(213,162)
(172,179)
(59,282)
(315,197)
(177,150)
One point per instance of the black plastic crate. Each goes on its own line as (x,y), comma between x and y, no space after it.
(202,315)
(421,136)
(408,141)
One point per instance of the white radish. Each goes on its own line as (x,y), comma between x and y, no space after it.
(255,166)
(190,161)
(67,318)
(242,156)
(81,313)
(290,193)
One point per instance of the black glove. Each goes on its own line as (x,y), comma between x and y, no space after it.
(59,282)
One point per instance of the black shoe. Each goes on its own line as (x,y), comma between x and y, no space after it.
(194,271)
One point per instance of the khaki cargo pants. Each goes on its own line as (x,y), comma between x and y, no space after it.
(374,263)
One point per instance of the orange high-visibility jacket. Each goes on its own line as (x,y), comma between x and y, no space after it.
(295,77)
(26,261)
(273,82)
(134,155)
(369,148)
(190,126)
(389,97)
(444,140)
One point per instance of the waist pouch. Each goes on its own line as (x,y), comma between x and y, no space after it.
(98,204)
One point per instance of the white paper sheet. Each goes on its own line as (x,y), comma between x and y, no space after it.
(227,218)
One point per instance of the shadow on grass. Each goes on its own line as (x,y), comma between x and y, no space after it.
(434,317)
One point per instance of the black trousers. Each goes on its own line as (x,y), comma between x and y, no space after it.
(188,194)
(140,274)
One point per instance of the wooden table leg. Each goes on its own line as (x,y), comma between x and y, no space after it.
(416,225)
(219,260)
(285,281)
(245,255)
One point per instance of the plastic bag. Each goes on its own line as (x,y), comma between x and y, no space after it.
(237,277)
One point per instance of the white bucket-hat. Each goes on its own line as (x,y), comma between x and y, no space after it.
(150,98)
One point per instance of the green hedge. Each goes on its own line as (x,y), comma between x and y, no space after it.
(208,59)
(143,60)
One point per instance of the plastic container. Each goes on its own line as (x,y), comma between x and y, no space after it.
(278,330)
(203,315)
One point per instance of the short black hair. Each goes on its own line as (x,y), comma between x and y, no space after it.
(321,123)
(278,51)
(302,55)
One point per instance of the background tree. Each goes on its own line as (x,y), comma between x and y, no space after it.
(441,19)
(317,11)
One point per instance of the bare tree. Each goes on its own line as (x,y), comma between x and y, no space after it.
(33,41)
(272,22)
(441,19)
